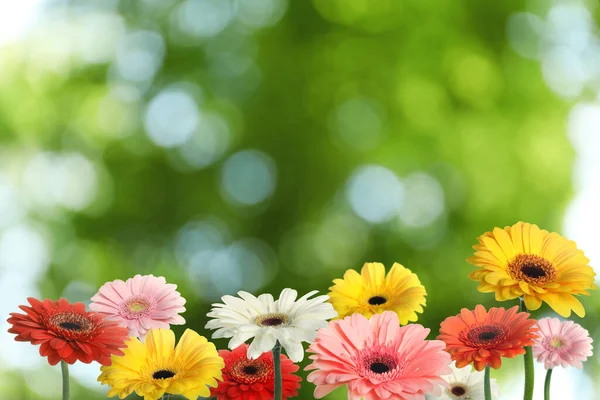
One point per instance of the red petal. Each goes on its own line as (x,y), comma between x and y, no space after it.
(57,343)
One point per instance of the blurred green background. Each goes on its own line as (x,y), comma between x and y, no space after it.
(263,144)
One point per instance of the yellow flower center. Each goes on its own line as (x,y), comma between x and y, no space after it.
(532,269)
(556,342)
(137,306)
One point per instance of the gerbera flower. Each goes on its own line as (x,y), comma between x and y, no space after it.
(140,303)
(466,384)
(372,292)
(157,366)
(561,343)
(481,338)
(286,320)
(377,359)
(247,379)
(67,332)
(522,260)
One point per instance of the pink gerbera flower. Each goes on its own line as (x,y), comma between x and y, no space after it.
(377,359)
(561,343)
(141,303)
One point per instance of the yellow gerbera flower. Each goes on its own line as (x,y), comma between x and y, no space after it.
(372,292)
(156,366)
(523,260)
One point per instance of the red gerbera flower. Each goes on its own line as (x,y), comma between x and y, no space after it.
(67,332)
(246,379)
(482,337)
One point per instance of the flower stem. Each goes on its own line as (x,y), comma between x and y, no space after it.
(487,386)
(547,385)
(277,370)
(528,392)
(64,367)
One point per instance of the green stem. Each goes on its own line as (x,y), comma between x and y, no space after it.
(487,385)
(277,392)
(547,385)
(66,393)
(528,392)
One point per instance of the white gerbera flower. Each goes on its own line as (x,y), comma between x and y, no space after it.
(286,320)
(467,384)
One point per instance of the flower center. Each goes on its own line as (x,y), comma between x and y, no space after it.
(487,335)
(137,307)
(379,368)
(483,336)
(70,326)
(70,322)
(380,362)
(377,300)
(271,320)
(458,390)
(556,342)
(532,269)
(249,371)
(163,374)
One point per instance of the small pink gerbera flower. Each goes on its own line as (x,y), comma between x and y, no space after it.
(561,343)
(377,359)
(141,303)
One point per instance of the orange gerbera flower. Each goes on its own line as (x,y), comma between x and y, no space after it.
(481,338)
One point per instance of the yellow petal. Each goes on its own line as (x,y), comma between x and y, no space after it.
(516,234)
(373,274)
(524,287)
(160,343)
(526,238)
(536,237)
(505,242)
(554,301)
(492,245)
(532,302)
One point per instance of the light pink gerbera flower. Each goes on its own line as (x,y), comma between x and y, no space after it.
(561,343)
(141,303)
(377,359)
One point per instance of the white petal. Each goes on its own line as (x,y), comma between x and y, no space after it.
(262,343)
(253,302)
(239,338)
(294,349)
(286,300)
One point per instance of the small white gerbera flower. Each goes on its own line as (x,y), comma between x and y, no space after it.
(467,384)
(286,320)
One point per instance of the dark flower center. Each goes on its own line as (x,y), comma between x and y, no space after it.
(377,300)
(379,368)
(250,370)
(163,374)
(71,326)
(70,323)
(487,335)
(484,336)
(532,269)
(271,320)
(458,390)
